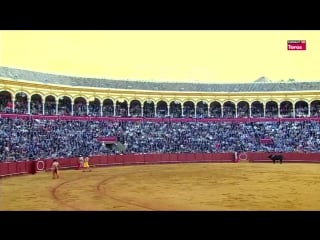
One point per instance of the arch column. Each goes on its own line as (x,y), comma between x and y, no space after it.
(43,104)
(72,102)
(28,103)
(128,112)
(236,108)
(294,110)
(57,106)
(13,104)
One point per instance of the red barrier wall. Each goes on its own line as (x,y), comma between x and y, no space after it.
(23,167)
(14,168)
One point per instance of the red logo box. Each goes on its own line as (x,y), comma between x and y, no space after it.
(296,45)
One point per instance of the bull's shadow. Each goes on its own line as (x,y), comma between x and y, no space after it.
(276,157)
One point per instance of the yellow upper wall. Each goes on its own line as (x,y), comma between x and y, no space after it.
(188,56)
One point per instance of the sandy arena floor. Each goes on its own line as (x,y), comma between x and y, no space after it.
(195,186)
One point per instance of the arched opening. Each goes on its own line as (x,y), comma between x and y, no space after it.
(64,106)
(21,103)
(257,109)
(271,109)
(148,109)
(188,109)
(94,108)
(80,107)
(202,109)
(229,110)
(301,109)
(135,108)
(6,104)
(162,109)
(175,109)
(243,109)
(36,104)
(107,108)
(286,109)
(121,108)
(215,110)
(50,106)
(315,108)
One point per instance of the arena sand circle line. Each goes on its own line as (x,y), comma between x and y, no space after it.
(99,190)
(58,199)
(98,186)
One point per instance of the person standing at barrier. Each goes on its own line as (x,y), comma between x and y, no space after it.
(236,158)
(55,169)
(81,162)
(86,165)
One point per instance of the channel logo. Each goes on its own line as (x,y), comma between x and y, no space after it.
(296,45)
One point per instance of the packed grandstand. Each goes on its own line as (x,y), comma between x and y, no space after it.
(52,116)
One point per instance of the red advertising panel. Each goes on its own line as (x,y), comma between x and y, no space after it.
(297,45)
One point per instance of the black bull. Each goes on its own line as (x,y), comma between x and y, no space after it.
(275,158)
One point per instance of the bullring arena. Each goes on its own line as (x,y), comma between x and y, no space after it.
(157,146)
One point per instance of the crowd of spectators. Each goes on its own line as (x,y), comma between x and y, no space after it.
(23,139)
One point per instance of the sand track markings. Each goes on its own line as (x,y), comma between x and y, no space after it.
(99,187)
